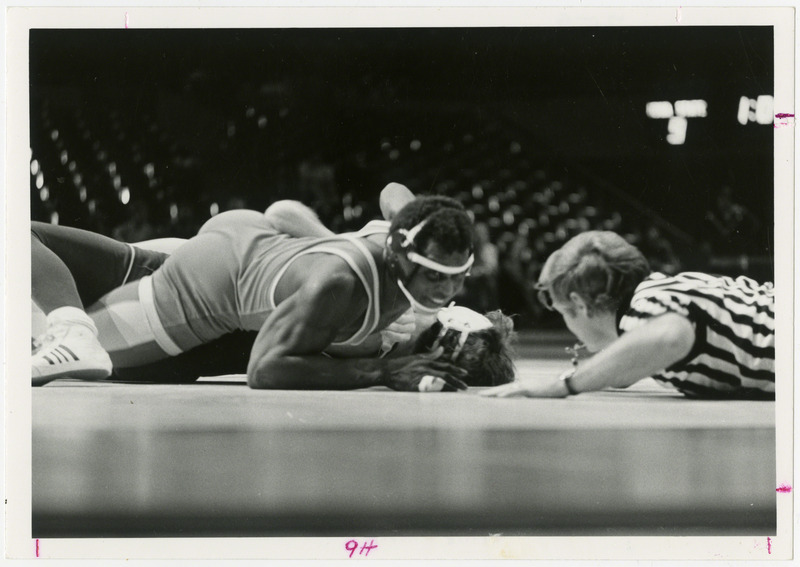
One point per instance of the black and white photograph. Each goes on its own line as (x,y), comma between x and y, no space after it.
(400,283)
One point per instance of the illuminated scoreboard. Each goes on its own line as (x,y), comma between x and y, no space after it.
(757,110)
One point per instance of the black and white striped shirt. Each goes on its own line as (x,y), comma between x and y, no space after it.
(734,320)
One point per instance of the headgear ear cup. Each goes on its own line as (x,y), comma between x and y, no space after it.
(393,258)
(402,242)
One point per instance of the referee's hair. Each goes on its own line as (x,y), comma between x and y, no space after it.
(447,223)
(600,266)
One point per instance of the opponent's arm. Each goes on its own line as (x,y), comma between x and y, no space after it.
(296,219)
(394,197)
(287,350)
(639,353)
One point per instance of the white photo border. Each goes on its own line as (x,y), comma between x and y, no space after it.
(19,20)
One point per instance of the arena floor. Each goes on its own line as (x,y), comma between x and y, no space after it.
(215,458)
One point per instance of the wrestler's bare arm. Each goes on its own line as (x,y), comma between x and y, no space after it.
(298,220)
(287,350)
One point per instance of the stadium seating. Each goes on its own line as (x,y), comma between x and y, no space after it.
(96,165)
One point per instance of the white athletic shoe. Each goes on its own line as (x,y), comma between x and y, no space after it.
(69,350)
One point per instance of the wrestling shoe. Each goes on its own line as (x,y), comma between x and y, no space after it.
(69,351)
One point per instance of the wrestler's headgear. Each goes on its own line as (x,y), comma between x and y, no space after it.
(461,321)
(479,344)
(401,242)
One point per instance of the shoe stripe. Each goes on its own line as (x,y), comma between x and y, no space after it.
(58,355)
(65,348)
(48,359)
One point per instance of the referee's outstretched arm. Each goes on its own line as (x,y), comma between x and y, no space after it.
(639,353)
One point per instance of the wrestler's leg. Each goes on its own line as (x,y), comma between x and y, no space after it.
(163,245)
(142,351)
(228,354)
(71,268)
(125,330)
(65,258)
(68,345)
(52,284)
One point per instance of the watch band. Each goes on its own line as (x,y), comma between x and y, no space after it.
(566,377)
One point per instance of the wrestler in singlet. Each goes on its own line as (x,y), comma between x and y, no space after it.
(225,280)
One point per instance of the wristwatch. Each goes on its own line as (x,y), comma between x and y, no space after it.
(566,377)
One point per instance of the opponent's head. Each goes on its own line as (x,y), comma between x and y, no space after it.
(479,344)
(429,250)
(587,279)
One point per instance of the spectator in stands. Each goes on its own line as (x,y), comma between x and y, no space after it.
(659,251)
(706,336)
(517,294)
(481,287)
(138,227)
(735,226)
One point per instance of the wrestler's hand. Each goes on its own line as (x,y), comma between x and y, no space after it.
(539,389)
(407,372)
(400,331)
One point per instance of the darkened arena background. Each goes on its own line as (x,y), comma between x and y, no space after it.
(541,132)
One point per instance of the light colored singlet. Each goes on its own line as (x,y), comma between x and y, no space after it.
(224,279)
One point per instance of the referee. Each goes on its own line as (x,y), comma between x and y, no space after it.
(706,336)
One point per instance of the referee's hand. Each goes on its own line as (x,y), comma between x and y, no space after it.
(528,389)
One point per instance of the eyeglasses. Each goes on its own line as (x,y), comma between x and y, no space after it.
(462,320)
(546,299)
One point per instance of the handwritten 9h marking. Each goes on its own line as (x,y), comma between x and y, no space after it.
(352,545)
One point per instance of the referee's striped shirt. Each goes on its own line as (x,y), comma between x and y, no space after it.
(734,320)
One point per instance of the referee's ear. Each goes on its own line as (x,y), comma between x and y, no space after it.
(580,304)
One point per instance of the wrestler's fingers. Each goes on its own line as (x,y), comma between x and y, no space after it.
(442,366)
(451,380)
(511,390)
(434,354)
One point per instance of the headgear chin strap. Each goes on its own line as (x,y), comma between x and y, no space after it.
(462,320)
(416,305)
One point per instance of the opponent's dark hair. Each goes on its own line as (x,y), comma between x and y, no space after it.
(447,223)
(487,355)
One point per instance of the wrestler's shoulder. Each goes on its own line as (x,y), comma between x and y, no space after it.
(327,278)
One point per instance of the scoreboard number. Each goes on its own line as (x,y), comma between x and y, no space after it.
(758,110)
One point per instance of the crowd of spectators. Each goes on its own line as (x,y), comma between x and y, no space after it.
(134,179)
